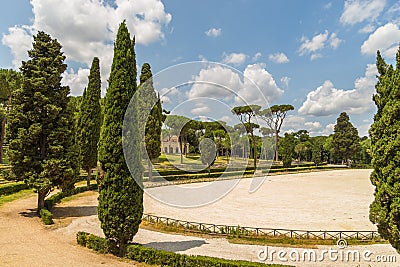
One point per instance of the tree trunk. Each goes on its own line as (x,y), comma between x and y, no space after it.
(41,196)
(150,170)
(276,146)
(89,175)
(254,152)
(3,126)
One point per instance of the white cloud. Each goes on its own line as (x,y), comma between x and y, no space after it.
(20,41)
(256,57)
(318,43)
(91,28)
(285,80)
(294,123)
(315,56)
(385,39)
(367,29)
(278,58)
(200,110)
(356,11)
(236,59)
(226,119)
(334,41)
(327,100)
(214,32)
(266,86)
(224,83)
(76,81)
(313,45)
(328,129)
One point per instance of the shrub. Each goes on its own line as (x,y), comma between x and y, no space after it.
(12,188)
(46,216)
(140,253)
(56,198)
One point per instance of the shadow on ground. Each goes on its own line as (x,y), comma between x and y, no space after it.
(77,211)
(177,245)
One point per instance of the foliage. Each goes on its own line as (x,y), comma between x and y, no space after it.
(346,142)
(141,253)
(149,116)
(208,150)
(274,117)
(318,150)
(46,216)
(385,147)
(245,114)
(10,80)
(89,122)
(12,188)
(288,144)
(120,205)
(42,147)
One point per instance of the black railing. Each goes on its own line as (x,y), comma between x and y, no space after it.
(225,230)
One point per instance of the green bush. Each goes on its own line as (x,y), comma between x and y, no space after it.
(46,216)
(12,188)
(56,198)
(147,255)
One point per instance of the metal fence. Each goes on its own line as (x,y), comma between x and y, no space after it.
(227,230)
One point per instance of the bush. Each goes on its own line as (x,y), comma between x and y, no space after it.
(46,216)
(12,188)
(56,198)
(140,253)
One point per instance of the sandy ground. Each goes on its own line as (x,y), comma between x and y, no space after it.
(26,242)
(329,200)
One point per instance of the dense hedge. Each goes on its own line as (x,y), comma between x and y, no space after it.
(175,172)
(46,216)
(300,169)
(140,253)
(56,198)
(12,188)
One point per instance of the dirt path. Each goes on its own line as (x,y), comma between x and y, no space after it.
(25,241)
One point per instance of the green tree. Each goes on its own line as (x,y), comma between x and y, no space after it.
(274,117)
(245,115)
(346,141)
(120,207)
(10,80)
(41,123)
(177,125)
(385,147)
(288,144)
(208,150)
(89,121)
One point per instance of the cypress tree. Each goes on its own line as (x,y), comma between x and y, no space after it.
(385,147)
(89,121)
(288,144)
(346,141)
(120,207)
(41,122)
(151,122)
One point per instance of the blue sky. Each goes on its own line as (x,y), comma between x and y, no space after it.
(316,55)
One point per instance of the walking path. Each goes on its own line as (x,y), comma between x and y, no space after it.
(25,241)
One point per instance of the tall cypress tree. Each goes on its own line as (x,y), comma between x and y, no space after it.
(89,121)
(385,147)
(40,122)
(346,141)
(150,123)
(120,207)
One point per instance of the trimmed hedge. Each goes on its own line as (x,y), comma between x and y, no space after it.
(9,189)
(46,216)
(140,253)
(56,198)
(178,172)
